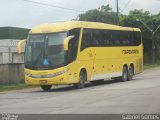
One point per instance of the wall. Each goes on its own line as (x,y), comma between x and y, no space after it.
(11,63)
(11,73)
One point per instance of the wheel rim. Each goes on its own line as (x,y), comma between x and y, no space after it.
(125,74)
(81,80)
(130,73)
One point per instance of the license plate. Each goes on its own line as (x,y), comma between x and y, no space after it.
(43,82)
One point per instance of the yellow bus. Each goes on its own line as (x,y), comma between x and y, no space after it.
(76,51)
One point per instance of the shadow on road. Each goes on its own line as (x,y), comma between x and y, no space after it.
(87,85)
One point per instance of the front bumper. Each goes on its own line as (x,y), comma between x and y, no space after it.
(58,80)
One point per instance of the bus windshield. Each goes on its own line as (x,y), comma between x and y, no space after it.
(45,51)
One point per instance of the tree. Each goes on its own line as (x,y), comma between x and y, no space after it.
(152,21)
(103,14)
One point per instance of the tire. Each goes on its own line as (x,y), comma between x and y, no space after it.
(82,79)
(46,87)
(130,73)
(124,74)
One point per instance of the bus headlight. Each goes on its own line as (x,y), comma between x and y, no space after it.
(55,74)
(47,75)
(28,74)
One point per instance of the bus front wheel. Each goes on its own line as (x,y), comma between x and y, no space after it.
(46,87)
(82,79)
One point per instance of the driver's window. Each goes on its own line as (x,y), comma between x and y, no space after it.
(73,44)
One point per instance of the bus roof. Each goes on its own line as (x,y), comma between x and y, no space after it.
(65,26)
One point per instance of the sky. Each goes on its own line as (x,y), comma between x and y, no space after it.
(20,13)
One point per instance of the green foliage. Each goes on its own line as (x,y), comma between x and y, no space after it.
(17,86)
(105,14)
(149,66)
(130,20)
(152,21)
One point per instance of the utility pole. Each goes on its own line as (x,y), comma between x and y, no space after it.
(153,58)
(117,12)
(117,8)
(153,40)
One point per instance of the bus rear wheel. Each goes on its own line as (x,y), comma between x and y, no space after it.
(124,74)
(46,87)
(130,73)
(82,79)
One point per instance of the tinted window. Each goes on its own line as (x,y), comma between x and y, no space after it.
(137,38)
(86,39)
(100,38)
(73,44)
(107,38)
(116,38)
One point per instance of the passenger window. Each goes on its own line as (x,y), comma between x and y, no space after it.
(86,39)
(110,38)
(96,38)
(107,37)
(137,38)
(117,40)
(131,38)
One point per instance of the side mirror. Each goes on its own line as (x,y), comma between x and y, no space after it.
(66,42)
(19,46)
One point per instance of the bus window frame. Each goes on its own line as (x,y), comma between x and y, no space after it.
(128,35)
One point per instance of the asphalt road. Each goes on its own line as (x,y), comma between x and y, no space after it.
(141,95)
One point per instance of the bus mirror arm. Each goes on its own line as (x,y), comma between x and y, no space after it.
(66,42)
(19,46)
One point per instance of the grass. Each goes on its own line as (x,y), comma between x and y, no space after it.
(17,86)
(149,66)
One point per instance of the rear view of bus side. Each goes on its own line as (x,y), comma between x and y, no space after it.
(75,52)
